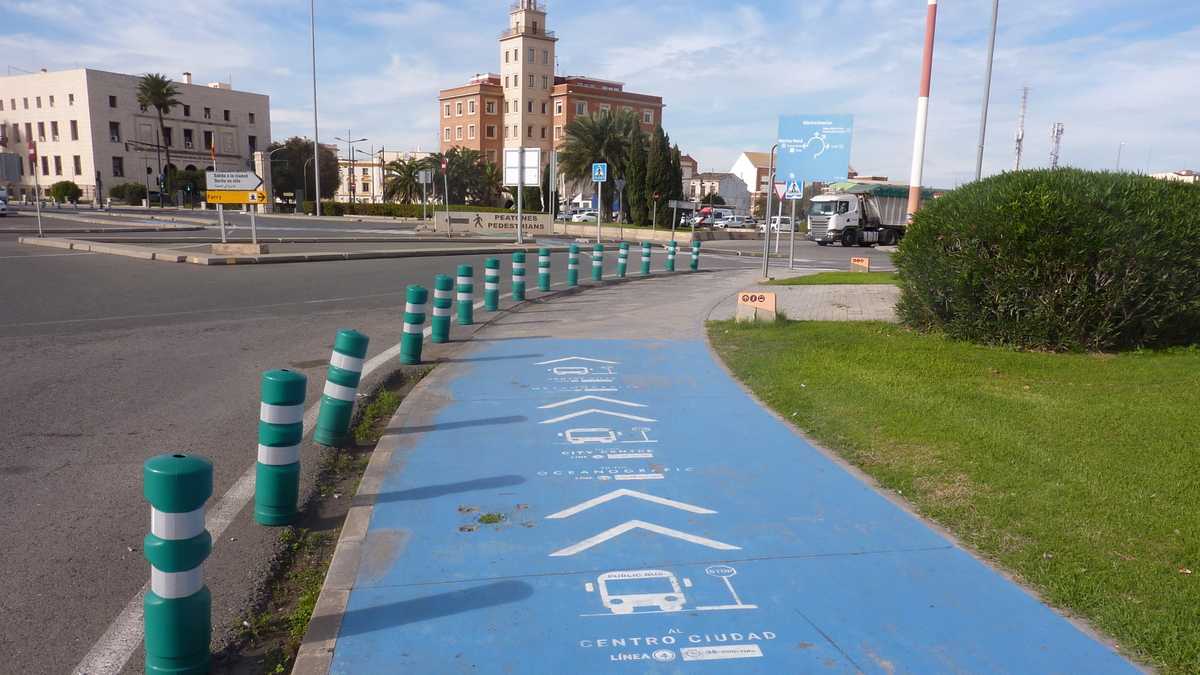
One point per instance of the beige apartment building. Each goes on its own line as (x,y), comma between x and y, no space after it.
(527,104)
(89,128)
(361,181)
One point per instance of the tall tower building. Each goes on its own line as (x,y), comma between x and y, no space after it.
(527,75)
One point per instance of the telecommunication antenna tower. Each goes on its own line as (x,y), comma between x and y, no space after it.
(1056,134)
(1021,126)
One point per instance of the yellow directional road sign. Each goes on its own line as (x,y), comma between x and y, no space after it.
(236,197)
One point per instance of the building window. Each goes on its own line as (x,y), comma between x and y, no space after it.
(506,82)
(545,57)
(119,167)
(557,132)
(529,131)
(505,107)
(648,116)
(365,173)
(187,111)
(458,108)
(543,132)
(168,137)
(604,108)
(51,101)
(545,82)
(516,54)
(25,103)
(1,105)
(54,131)
(77,162)
(558,107)
(41,132)
(491,107)
(253,142)
(531,81)
(366,187)
(530,106)
(471,131)
(446,134)
(471,107)
(28,131)
(45,165)
(38,101)
(16,133)
(458,133)
(506,131)
(74,130)
(32,167)
(581,108)
(187,139)
(446,110)
(532,55)
(112,101)
(251,118)
(226,115)
(544,104)
(12,103)
(208,113)
(70,99)
(491,131)
(208,140)
(57,165)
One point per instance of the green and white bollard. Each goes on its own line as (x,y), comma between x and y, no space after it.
(518,281)
(671,256)
(622,260)
(280,429)
(491,284)
(414,325)
(177,610)
(598,262)
(443,302)
(543,269)
(341,388)
(695,263)
(466,295)
(646,250)
(573,266)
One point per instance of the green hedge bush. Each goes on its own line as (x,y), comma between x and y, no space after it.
(1063,260)
(130,193)
(329,208)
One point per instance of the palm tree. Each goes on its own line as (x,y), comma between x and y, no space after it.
(597,138)
(464,168)
(157,91)
(491,184)
(401,181)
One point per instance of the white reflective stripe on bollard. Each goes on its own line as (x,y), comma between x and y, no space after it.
(543,260)
(175,526)
(414,328)
(465,280)
(441,311)
(175,585)
(488,286)
(350,363)
(572,266)
(281,414)
(278,456)
(412,308)
(334,390)
(443,295)
(466,297)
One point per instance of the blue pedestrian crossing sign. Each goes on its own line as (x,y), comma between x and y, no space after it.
(793,190)
(600,172)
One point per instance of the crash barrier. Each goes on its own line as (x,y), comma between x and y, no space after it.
(177,610)
(280,430)
(491,284)
(518,276)
(414,325)
(341,388)
(466,295)
(443,302)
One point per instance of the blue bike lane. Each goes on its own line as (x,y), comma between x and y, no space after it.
(624,506)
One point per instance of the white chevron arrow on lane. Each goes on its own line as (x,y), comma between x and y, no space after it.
(591,398)
(624,492)
(577,358)
(628,525)
(596,411)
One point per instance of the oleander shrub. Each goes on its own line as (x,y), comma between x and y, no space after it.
(1060,260)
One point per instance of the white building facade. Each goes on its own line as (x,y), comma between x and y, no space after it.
(361,181)
(727,185)
(89,129)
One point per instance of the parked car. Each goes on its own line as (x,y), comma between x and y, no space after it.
(3,209)
(734,221)
(584,217)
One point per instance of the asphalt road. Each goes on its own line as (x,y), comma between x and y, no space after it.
(110,360)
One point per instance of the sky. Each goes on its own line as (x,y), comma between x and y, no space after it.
(1112,71)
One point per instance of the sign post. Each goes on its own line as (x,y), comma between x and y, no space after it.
(620,185)
(37,192)
(236,187)
(654,214)
(521,168)
(599,176)
(425,176)
(446,193)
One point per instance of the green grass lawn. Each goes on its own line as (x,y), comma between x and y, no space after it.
(1078,473)
(839,279)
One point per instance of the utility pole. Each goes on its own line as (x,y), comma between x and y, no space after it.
(1021,126)
(1120,149)
(987,91)
(918,162)
(312,27)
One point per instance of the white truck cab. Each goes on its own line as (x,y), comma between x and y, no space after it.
(850,219)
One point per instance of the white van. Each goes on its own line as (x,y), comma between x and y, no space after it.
(778,224)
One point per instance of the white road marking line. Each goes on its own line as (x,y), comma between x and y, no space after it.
(596,411)
(592,398)
(641,525)
(47,255)
(576,358)
(617,494)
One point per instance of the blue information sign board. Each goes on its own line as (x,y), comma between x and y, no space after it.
(814,148)
(600,172)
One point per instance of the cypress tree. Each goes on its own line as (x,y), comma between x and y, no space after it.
(676,173)
(658,175)
(636,199)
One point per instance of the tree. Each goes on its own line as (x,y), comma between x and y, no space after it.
(637,200)
(192,183)
(65,191)
(402,181)
(658,174)
(289,172)
(597,138)
(713,199)
(489,185)
(548,207)
(157,91)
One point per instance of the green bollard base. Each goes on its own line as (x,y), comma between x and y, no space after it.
(333,422)
(544,283)
(491,301)
(440,330)
(410,349)
(519,292)
(178,632)
(277,488)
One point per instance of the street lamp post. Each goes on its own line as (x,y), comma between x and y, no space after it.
(987,91)
(350,141)
(312,27)
(766,265)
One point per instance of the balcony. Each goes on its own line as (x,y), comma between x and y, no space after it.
(526,30)
(527,4)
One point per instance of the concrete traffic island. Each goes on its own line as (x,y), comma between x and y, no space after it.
(583,484)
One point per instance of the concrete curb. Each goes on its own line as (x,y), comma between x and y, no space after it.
(315,655)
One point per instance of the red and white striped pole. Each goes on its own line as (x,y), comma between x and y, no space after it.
(918,162)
